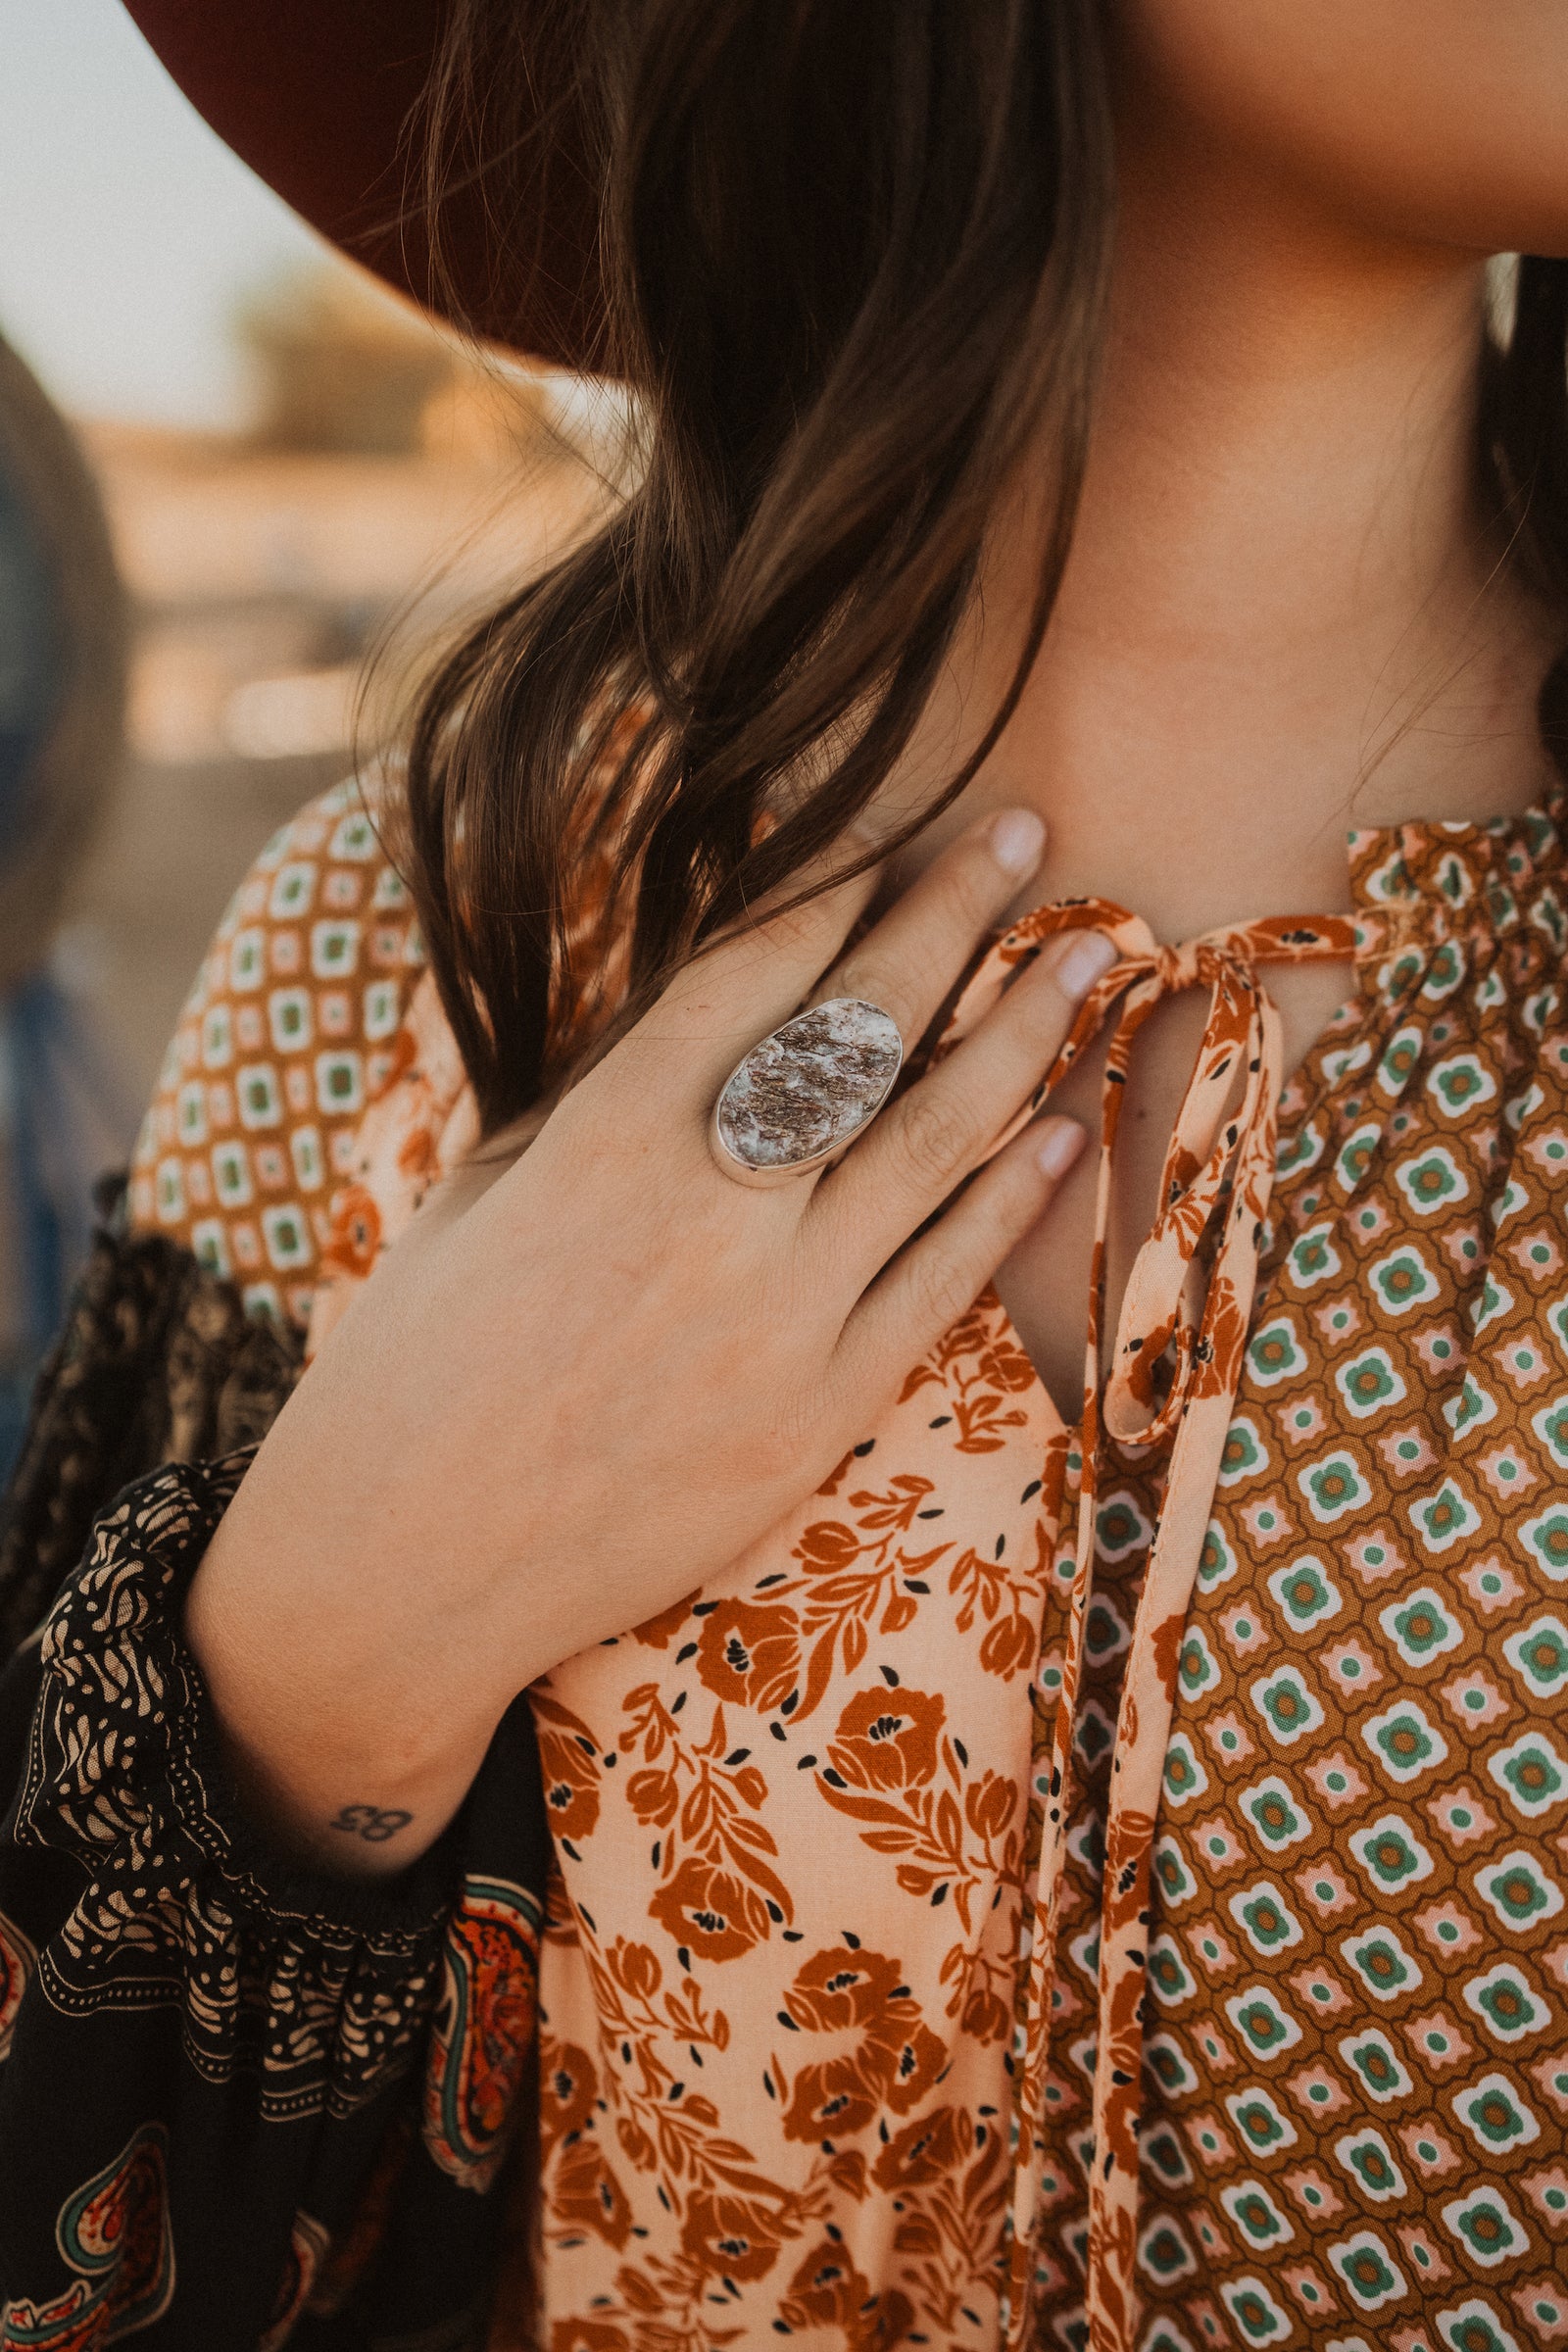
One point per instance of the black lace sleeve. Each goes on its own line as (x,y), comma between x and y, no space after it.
(241,2106)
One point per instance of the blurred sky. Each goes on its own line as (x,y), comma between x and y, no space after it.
(128,230)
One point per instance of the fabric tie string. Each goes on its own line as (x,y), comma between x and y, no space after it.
(1172,1379)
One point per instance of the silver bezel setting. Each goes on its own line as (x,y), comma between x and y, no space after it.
(790,1080)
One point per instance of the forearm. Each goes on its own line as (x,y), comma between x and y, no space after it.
(353,1734)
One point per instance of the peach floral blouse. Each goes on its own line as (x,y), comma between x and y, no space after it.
(1095,1886)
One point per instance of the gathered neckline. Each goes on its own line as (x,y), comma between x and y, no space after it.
(1187,1314)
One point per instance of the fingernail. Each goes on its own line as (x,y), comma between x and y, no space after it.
(1059,1145)
(1087,957)
(1017,838)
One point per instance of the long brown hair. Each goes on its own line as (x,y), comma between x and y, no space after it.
(856,262)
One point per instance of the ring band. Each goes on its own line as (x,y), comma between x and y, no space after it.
(802,1095)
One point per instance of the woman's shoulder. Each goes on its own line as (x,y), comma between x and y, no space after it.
(297,1022)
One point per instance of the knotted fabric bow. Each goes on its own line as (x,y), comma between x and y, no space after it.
(1172,1379)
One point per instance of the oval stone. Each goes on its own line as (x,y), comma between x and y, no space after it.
(806,1091)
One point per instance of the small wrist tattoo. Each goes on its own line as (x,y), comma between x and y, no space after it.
(370,1822)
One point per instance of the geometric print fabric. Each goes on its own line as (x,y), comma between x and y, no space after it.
(291,1028)
(1360,2057)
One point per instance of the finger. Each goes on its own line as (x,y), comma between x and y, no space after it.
(742,986)
(926,1288)
(729,999)
(931,1137)
(909,960)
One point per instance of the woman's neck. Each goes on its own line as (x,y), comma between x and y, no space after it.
(1282,614)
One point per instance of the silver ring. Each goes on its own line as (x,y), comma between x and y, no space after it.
(802,1095)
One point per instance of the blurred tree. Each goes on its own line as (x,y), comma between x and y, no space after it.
(341,365)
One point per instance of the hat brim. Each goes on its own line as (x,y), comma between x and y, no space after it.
(316,96)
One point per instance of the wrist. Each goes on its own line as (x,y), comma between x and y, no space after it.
(345,1759)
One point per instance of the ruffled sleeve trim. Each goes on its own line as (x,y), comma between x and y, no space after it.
(323,1986)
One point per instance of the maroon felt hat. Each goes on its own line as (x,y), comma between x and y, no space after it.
(316,96)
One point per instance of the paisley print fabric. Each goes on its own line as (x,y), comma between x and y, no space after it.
(483,2029)
(114,2235)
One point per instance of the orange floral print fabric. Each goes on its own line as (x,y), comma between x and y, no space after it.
(910,1645)
(1105,1885)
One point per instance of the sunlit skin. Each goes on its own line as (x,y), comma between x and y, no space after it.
(583,1382)
(1282,613)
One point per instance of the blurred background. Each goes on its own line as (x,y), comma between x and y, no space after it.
(293,470)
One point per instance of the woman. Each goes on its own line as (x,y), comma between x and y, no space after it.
(1069,1848)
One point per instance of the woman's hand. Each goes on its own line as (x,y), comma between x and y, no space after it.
(565,1402)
